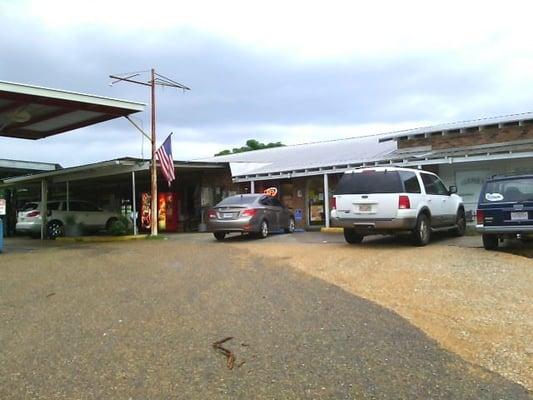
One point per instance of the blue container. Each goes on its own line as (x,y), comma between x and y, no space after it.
(1,234)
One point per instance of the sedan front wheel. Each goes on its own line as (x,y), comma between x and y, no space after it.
(291,227)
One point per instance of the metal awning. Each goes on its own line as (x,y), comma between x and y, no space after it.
(101,169)
(33,112)
(105,168)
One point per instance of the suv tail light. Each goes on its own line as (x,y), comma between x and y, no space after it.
(212,214)
(33,214)
(404,202)
(480,217)
(333,203)
(249,212)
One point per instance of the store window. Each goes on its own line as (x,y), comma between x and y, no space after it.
(315,201)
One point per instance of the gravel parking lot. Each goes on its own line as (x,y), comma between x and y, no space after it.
(137,320)
(476,303)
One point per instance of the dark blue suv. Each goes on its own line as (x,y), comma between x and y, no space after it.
(505,209)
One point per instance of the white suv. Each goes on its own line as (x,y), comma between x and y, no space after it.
(387,200)
(92,217)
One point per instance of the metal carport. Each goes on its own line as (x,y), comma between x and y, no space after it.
(34,112)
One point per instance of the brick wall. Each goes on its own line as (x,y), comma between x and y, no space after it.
(485,136)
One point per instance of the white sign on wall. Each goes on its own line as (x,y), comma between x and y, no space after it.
(2,206)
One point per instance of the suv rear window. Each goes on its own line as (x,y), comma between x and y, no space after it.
(508,190)
(30,207)
(370,181)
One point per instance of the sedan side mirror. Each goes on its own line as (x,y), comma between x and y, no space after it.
(452,189)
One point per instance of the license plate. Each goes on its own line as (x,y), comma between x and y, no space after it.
(227,215)
(365,207)
(519,216)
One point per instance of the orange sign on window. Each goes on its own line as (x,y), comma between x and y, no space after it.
(271,191)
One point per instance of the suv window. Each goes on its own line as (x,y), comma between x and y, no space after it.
(370,181)
(86,206)
(75,206)
(53,205)
(509,190)
(433,185)
(30,207)
(410,182)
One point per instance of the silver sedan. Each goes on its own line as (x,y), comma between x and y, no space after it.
(249,213)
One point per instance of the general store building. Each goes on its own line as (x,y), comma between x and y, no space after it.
(463,154)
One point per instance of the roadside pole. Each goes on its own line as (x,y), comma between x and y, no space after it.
(153,169)
(155,79)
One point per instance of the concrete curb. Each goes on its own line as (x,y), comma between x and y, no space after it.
(331,230)
(96,239)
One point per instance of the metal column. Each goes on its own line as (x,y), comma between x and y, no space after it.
(44,207)
(134,203)
(326,199)
(252,186)
(68,195)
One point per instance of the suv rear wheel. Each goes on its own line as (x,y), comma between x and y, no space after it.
(55,229)
(422,231)
(351,236)
(490,242)
(461,223)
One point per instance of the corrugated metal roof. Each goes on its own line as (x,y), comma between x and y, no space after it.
(486,149)
(27,165)
(34,112)
(307,156)
(358,150)
(462,125)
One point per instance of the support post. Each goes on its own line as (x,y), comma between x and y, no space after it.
(252,186)
(326,199)
(68,195)
(153,174)
(44,207)
(134,202)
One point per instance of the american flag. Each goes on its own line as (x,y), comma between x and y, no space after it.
(164,155)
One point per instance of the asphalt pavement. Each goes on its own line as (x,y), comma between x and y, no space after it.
(138,321)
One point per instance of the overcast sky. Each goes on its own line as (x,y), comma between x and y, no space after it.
(290,71)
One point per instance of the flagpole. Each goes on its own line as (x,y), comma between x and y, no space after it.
(155,218)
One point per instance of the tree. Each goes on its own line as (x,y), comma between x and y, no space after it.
(251,145)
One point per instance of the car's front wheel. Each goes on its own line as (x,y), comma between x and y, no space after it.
(351,236)
(219,235)
(291,227)
(422,231)
(55,229)
(490,242)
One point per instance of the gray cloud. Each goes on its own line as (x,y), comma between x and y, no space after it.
(235,86)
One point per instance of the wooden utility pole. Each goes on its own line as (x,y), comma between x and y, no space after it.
(155,79)
(153,167)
